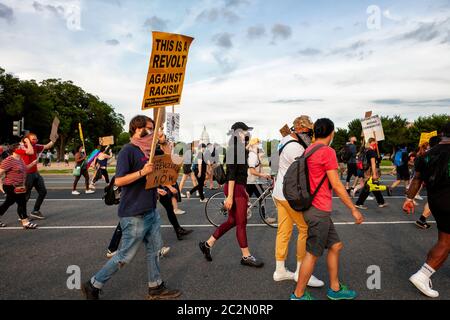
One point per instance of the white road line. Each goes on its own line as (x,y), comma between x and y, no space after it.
(207,225)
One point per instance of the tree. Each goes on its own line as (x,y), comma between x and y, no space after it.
(427,124)
(341,137)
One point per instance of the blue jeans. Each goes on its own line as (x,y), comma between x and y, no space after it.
(136,230)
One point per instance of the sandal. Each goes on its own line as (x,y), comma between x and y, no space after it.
(30,225)
(2,225)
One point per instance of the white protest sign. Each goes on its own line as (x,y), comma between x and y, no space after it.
(173,126)
(372,128)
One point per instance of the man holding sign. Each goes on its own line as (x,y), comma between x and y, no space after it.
(34,179)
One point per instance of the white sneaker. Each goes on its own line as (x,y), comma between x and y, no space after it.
(75,193)
(370,198)
(179,212)
(424,284)
(313,281)
(418,197)
(110,254)
(271,220)
(353,193)
(92,186)
(282,276)
(164,251)
(182,195)
(204,200)
(197,194)
(89,191)
(384,205)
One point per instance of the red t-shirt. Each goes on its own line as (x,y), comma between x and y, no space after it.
(319,163)
(15,171)
(38,148)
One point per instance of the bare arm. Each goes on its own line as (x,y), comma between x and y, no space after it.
(414,187)
(132,177)
(259,174)
(49,145)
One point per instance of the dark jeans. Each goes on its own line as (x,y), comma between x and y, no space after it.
(166,202)
(99,174)
(11,198)
(84,173)
(352,170)
(365,193)
(35,180)
(201,184)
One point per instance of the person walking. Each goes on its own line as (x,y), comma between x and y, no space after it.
(199,169)
(81,162)
(292,147)
(34,178)
(66,158)
(102,164)
(321,231)
(237,198)
(350,157)
(139,220)
(434,170)
(187,170)
(15,171)
(401,166)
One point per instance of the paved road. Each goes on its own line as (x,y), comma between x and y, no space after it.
(78,229)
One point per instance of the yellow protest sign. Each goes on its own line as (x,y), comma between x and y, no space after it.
(425,137)
(166,70)
(165,171)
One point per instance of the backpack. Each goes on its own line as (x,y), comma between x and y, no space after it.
(363,162)
(111,194)
(345,154)
(296,187)
(399,158)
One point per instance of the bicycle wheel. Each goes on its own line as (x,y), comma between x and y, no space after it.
(214,210)
(268,211)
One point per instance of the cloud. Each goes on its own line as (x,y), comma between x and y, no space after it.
(310,52)
(69,10)
(226,63)
(351,48)
(112,42)
(210,15)
(291,101)
(223,40)
(256,32)
(281,31)
(415,103)
(230,16)
(6,13)
(57,10)
(156,23)
(235,3)
(388,15)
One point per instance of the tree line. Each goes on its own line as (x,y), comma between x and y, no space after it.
(39,103)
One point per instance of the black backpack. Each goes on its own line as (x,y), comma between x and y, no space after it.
(111,194)
(345,154)
(296,187)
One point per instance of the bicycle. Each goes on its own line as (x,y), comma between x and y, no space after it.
(265,205)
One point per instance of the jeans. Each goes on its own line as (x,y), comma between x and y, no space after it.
(35,180)
(201,184)
(135,230)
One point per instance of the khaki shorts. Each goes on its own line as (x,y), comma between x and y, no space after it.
(321,232)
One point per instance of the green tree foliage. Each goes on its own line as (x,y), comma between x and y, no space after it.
(39,103)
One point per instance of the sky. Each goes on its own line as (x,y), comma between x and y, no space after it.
(263,62)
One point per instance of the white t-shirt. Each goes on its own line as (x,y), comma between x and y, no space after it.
(290,152)
(253,162)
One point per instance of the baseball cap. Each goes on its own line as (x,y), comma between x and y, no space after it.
(242,126)
(304,122)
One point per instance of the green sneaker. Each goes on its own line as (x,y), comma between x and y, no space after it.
(306,296)
(343,294)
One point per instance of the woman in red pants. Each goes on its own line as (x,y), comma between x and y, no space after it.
(237,197)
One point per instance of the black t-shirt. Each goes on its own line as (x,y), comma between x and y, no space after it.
(372,154)
(434,169)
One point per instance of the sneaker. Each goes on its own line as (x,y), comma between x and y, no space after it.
(422,225)
(179,212)
(92,186)
(418,197)
(306,296)
(343,294)
(313,282)
(415,203)
(204,200)
(353,193)
(389,191)
(188,194)
(249,214)
(251,262)
(164,251)
(37,215)
(161,292)
(283,275)
(89,291)
(110,254)
(270,220)
(424,284)
(89,191)
(2,225)
(197,194)
(182,195)
(75,193)
(360,206)
(205,250)
(370,198)
(384,205)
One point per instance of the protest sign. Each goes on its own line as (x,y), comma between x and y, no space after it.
(106,141)
(173,126)
(372,128)
(425,137)
(54,133)
(285,131)
(165,171)
(166,70)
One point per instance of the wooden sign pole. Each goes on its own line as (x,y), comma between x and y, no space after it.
(376,141)
(158,121)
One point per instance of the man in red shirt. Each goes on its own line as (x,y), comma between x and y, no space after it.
(34,179)
(321,232)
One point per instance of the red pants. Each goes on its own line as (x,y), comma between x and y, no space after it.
(237,216)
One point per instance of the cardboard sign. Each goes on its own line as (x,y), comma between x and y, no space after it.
(106,141)
(165,171)
(173,126)
(166,70)
(285,131)
(425,137)
(372,128)
(54,133)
